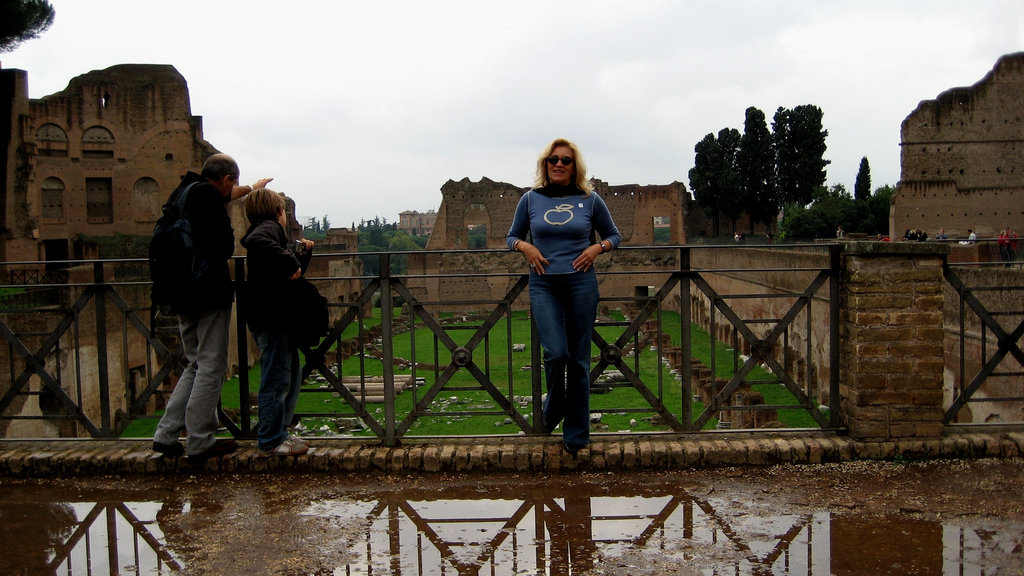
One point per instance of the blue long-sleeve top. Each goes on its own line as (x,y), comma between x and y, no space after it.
(559,220)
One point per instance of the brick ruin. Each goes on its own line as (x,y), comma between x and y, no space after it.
(638,211)
(962,158)
(91,165)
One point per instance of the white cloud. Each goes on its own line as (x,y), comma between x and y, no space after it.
(367,109)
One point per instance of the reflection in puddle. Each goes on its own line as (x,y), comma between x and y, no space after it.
(568,528)
(83,538)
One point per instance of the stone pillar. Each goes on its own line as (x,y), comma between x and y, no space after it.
(891,339)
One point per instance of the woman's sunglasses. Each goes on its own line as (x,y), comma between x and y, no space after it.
(566,160)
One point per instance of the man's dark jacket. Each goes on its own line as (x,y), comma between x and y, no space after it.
(214,241)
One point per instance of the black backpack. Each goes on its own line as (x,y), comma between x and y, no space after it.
(172,255)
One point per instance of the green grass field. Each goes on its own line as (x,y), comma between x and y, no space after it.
(623,408)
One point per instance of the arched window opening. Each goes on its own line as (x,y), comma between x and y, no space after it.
(97,142)
(51,140)
(51,199)
(146,200)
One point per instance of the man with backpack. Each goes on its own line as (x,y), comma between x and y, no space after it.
(202,302)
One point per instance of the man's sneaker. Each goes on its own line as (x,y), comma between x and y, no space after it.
(287,448)
(299,440)
(172,450)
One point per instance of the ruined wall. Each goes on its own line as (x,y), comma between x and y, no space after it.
(962,158)
(102,155)
(465,203)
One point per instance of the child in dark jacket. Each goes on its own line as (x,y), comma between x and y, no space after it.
(271,266)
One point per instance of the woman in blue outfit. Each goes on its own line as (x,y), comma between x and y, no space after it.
(561,216)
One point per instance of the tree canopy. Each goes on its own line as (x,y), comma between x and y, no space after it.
(714,178)
(755,162)
(759,172)
(799,153)
(862,186)
(22,20)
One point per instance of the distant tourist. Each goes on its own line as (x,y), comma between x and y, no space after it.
(941,235)
(839,232)
(561,214)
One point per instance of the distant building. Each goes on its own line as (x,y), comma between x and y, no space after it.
(417,223)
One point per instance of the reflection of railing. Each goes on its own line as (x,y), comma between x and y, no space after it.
(86,538)
(500,526)
(528,531)
(100,359)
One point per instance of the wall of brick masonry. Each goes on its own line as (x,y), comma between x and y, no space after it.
(521,454)
(891,337)
(961,157)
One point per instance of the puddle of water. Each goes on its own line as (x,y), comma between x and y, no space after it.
(532,528)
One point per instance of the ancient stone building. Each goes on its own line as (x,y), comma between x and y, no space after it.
(90,166)
(94,159)
(962,158)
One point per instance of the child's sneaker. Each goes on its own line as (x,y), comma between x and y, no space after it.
(287,448)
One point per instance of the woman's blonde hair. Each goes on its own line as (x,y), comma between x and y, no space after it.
(263,204)
(579,167)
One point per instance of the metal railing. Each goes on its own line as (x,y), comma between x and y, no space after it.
(99,359)
(988,326)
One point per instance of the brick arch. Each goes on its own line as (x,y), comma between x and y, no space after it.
(51,199)
(146,200)
(52,140)
(97,142)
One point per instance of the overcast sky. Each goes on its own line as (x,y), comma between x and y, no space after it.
(363,109)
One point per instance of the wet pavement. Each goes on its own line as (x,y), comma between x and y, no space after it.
(963,517)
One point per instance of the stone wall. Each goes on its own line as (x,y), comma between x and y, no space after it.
(962,158)
(105,153)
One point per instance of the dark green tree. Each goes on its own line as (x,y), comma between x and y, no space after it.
(877,217)
(799,153)
(22,20)
(477,237)
(755,163)
(714,180)
(702,179)
(315,230)
(862,186)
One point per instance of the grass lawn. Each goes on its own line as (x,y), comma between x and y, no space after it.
(458,408)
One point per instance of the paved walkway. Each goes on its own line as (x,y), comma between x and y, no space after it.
(46,458)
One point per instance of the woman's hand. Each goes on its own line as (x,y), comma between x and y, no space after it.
(586,259)
(534,258)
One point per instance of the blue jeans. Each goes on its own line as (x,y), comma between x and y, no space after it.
(280,380)
(565,309)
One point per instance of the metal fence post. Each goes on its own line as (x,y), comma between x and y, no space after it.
(102,368)
(386,313)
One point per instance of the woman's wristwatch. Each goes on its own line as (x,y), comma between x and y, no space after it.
(603,249)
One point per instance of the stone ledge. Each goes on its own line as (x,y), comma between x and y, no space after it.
(62,458)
